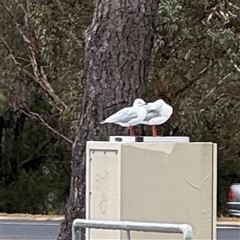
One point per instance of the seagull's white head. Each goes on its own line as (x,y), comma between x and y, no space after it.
(139,102)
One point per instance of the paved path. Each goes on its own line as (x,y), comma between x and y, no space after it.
(29,229)
(42,228)
(228,232)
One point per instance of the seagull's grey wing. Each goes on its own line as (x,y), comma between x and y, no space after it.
(152,114)
(158,117)
(139,115)
(128,115)
(122,116)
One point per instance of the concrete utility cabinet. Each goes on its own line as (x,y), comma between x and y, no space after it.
(152,182)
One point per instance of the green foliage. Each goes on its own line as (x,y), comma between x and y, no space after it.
(35,162)
(61,25)
(34,166)
(34,192)
(55,30)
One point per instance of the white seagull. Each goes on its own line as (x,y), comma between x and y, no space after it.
(129,116)
(158,112)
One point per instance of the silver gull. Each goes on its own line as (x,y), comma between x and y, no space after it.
(129,116)
(158,112)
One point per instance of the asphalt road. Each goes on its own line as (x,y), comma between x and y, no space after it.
(29,230)
(48,230)
(228,232)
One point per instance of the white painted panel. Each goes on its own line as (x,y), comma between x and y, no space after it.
(103,191)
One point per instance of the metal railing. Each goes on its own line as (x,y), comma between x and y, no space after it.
(79,224)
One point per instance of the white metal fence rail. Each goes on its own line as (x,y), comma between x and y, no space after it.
(79,224)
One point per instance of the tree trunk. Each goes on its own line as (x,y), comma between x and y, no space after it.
(118,50)
(2,124)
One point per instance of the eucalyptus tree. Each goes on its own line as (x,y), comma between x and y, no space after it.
(42,47)
(41,79)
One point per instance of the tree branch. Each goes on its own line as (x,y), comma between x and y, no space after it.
(39,74)
(188,85)
(16,62)
(214,88)
(38,118)
(180,91)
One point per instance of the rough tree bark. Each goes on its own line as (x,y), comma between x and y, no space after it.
(118,49)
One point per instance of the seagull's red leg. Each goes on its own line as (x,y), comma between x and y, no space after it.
(131,131)
(154,131)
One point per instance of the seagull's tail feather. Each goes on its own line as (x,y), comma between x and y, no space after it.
(102,121)
(112,119)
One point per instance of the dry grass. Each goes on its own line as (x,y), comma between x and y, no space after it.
(228,219)
(61,217)
(30,216)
